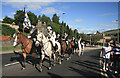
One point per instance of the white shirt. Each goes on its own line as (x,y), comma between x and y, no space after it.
(107,49)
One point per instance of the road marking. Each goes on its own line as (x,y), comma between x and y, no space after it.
(11,64)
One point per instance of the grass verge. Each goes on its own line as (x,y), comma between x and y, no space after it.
(9,48)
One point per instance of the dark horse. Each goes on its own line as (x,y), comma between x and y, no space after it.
(64,48)
(27,46)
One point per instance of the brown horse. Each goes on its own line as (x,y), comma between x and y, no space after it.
(63,47)
(69,51)
(27,46)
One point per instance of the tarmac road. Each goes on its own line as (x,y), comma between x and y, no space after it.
(86,65)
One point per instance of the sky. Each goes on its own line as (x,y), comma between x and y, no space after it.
(87,17)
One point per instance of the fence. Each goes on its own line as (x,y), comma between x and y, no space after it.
(4,37)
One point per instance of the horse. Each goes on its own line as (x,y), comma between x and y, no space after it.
(27,46)
(58,50)
(45,50)
(82,47)
(79,47)
(63,47)
(69,51)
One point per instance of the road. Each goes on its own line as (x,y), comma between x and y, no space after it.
(86,65)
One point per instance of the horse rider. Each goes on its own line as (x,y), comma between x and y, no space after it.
(65,38)
(33,33)
(51,36)
(73,39)
(58,35)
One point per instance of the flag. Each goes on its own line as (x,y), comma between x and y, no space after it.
(26,22)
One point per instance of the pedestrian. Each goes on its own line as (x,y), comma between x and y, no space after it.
(105,54)
(116,57)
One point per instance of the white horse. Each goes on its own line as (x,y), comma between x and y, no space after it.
(46,49)
(79,47)
(83,47)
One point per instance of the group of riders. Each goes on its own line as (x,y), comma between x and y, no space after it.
(48,45)
(52,37)
(110,54)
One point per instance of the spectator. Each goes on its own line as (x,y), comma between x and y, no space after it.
(105,54)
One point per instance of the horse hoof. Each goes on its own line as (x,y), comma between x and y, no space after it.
(23,68)
(53,64)
(49,68)
(67,58)
(60,63)
(40,70)
(35,65)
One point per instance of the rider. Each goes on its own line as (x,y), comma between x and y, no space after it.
(51,36)
(65,38)
(33,33)
(73,39)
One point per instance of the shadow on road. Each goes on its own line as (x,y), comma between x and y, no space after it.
(54,75)
(29,60)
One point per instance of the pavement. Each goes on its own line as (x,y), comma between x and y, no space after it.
(85,66)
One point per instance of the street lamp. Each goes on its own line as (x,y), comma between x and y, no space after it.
(118,29)
(90,40)
(61,27)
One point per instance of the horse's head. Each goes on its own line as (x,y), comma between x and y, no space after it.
(39,39)
(16,38)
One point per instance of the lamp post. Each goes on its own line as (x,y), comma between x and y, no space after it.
(61,26)
(90,40)
(118,36)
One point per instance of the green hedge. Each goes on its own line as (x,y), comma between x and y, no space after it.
(7,30)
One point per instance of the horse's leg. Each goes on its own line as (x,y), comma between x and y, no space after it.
(54,57)
(24,55)
(41,61)
(33,60)
(49,62)
(79,52)
(59,57)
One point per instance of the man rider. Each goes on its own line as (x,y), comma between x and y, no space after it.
(65,38)
(33,33)
(51,36)
(73,39)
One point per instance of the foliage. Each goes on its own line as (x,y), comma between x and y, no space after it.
(55,18)
(8,20)
(33,18)
(7,30)
(45,19)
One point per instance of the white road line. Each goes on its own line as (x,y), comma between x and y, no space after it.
(11,64)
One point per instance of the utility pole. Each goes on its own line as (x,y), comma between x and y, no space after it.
(103,38)
(90,40)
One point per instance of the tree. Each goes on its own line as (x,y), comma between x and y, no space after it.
(7,30)
(8,20)
(19,18)
(55,18)
(33,18)
(45,19)
(39,17)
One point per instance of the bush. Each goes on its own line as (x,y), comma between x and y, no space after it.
(7,30)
